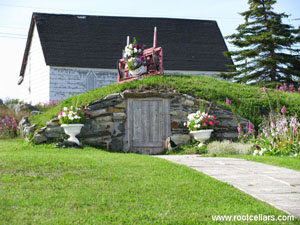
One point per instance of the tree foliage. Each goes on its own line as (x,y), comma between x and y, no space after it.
(268,48)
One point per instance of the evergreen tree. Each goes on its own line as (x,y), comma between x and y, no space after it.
(268,47)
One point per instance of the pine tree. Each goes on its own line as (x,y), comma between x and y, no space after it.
(268,49)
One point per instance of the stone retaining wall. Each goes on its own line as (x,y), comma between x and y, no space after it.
(108,119)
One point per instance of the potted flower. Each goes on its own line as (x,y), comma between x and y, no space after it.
(201,126)
(135,60)
(72,120)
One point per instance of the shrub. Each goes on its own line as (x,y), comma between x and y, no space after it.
(9,120)
(8,127)
(228,147)
(4,111)
(280,135)
(45,106)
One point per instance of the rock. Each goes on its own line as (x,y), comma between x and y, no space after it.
(121,105)
(39,138)
(112,96)
(22,125)
(22,107)
(119,116)
(104,119)
(58,130)
(68,144)
(115,110)
(97,112)
(33,113)
(179,113)
(29,130)
(28,107)
(53,123)
(189,102)
(180,138)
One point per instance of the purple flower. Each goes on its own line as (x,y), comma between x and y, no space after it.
(228,102)
(257,147)
(283,111)
(142,58)
(265,89)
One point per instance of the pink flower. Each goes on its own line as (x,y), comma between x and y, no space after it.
(228,102)
(265,89)
(299,90)
(249,127)
(204,124)
(211,123)
(239,128)
(283,111)
(60,113)
(291,88)
(283,87)
(142,58)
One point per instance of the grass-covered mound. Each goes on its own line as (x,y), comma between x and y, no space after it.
(249,101)
(43,185)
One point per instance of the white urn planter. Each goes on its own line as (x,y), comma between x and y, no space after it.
(201,135)
(72,130)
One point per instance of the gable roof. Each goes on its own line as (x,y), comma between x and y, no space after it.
(98,41)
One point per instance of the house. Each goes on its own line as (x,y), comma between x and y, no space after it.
(70,54)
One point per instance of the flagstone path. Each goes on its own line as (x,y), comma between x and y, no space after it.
(280,187)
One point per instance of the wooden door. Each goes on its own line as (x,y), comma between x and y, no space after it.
(148,125)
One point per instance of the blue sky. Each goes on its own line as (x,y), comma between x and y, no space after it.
(15,16)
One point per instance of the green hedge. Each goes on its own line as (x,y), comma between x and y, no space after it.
(249,101)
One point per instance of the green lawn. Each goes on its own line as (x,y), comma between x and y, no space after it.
(44,185)
(283,161)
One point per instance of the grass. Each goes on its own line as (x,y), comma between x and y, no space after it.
(248,101)
(44,185)
(283,161)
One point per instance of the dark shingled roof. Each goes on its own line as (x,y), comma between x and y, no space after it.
(98,41)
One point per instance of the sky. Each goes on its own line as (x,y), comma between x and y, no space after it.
(15,16)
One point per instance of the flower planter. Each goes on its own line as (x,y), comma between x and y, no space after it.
(201,135)
(138,71)
(72,130)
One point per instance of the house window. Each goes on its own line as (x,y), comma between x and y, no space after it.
(91,81)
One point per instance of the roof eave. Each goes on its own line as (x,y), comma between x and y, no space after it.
(26,52)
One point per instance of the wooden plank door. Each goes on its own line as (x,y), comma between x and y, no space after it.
(148,125)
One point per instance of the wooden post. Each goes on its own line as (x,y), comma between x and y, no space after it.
(154,38)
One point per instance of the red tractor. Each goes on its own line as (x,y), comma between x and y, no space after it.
(154,63)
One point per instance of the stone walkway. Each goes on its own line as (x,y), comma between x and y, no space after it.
(280,187)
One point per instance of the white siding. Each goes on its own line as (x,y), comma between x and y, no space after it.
(68,81)
(35,86)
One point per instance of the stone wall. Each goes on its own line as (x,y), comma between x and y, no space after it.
(108,119)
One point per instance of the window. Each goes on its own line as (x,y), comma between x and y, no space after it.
(91,81)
